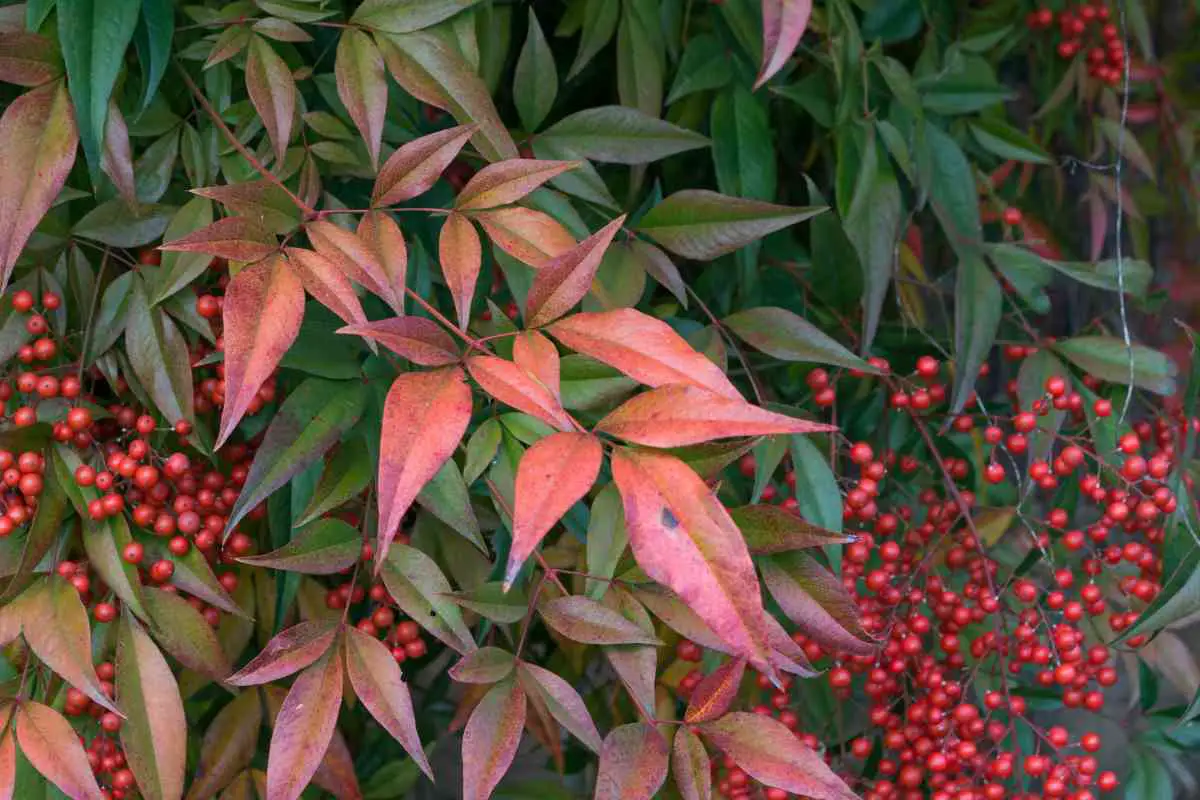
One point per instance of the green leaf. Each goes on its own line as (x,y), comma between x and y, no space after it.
(1028,273)
(817,491)
(641,57)
(114,223)
(1134,274)
(872,224)
(774,529)
(445,496)
(742,145)
(599,25)
(1107,358)
(159,356)
(951,190)
(406,16)
(422,592)
(1031,387)
(606,539)
(179,269)
(481,449)
(783,334)
(94,35)
(490,601)
(153,40)
(1004,141)
(183,632)
(965,85)
(324,547)
(978,305)
(704,65)
(699,224)
(619,135)
(535,81)
(310,421)
(345,476)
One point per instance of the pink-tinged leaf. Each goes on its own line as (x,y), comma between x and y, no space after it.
(38,138)
(683,538)
(261,201)
(644,348)
(691,766)
(335,774)
(264,306)
(229,745)
(713,696)
(633,763)
(329,285)
(815,599)
(564,281)
(554,474)
(28,59)
(272,91)
(304,727)
(232,41)
(531,237)
(786,655)
(362,86)
(414,168)
(117,160)
(677,416)
(51,745)
(421,341)
(562,701)
(356,258)
(582,619)
(281,30)
(290,651)
(424,418)
(515,387)
(784,22)
(234,238)
(538,356)
(1098,220)
(154,737)
(635,665)
(377,681)
(8,759)
(383,239)
(773,529)
(485,665)
(507,182)
(461,255)
(491,738)
(774,756)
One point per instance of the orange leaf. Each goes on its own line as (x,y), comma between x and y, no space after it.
(362,86)
(538,356)
(382,237)
(633,763)
(554,474)
(490,739)
(234,238)
(264,305)
(8,760)
(513,386)
(304,727)
(51,745)
(564,281)
(357,259)
(784,22)
(461,256)
(289,651)
(424,417)
(272,91)
(419,340)
(676,416)
(329,285)
(683,538)
(713,696)
(507,182)
(529,236)
(154,737)
(38,138)
(644,348)
(415,167)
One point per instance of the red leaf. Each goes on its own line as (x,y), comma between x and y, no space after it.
(490,739)
(8,759)
(815,599)
(234,238)
(420,340)
(229,745)
(272,91)
(415,167)
(424,417)
(382,237)
(27,59)
(304,727)
(683,538)
(330,286)
(772,529)
(362,86)
(713,696)
(290,651)
(784,22)
(513,386)
(644,348)
(485,665)
(117,160)
(38,138)
(564,281)
(529,236)
(264,305)
(675,416)
(51,745)
(554,474)
(633,763)
(154,737)
(690,766)
(461,256)
(774,755)
(538,356)
(377,681)
(562,701)
(507,182)
(582,619)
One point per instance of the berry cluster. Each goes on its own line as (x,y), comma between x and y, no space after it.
(1086,28)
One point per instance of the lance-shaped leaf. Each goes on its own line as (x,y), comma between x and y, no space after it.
(635,665)
(329,285)
(507,182)
(784,22)
(683,538)
(311,420)
(773,529)
(703,225)
(538,356)
(633,763)
(405,16)
(362,86)
(415,167)
(272,90)
(582,619)
(377,681)
(491,738)
(229,745)
(554,474)
(8,761)
(261,200)
(485,665)
(264,306)
(675,416)
(389,266)
(422,341)
(52,509)
(28,59)
(461,256)
(490,601)
(117,160)
(424,418)
(562,701)
(38,139)
(530,236)
(447,498)
(324,547)
(513,386)
(978,307)
(421,590)
(290,651)
(1107,358)
(234,238)
(565,280)
(185,633)
(180,269)
(644,348)
(814,598)
(535,78)
(713,696)
(158,353)
(620,135)
(344,476)
(304,727)
(788,336)
(154,737)
(691,766)
(51,745)
(774,756)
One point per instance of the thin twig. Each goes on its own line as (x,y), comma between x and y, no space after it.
(1117,170)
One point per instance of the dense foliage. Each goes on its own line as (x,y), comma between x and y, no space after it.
(613,398)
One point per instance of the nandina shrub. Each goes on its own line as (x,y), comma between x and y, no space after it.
(624,398)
